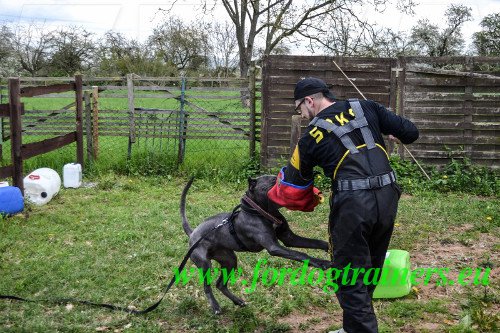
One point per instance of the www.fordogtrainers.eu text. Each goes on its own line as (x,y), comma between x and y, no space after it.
(330,279)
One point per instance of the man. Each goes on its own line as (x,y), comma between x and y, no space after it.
(345,139)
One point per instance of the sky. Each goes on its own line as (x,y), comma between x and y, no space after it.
(136,19)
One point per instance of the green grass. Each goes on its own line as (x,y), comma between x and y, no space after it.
(120,241)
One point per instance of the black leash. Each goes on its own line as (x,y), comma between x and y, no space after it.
(62,301)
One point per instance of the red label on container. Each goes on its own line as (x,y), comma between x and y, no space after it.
(34,177)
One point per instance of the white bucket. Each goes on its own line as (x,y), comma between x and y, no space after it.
(41,185)
(72,175)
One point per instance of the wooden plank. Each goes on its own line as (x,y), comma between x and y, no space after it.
(88,124)
(450,110)
(15,133)
(79,120)
(6,171)
(458,81)
(122,79)
(42,90)
(445,72)
(446,154)
(45,146)
(5,110)
(95,122)
(296,131)
(46,132)
(131,108)
(459,140)
(265,110)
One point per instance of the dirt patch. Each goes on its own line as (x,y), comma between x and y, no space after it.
(316,320)
(442,254)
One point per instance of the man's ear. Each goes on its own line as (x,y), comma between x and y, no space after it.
(251,183)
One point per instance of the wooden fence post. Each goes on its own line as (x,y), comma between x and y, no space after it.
(1,125)
(131,109)
(400,108)
(16,132)
(251,90)
(79,119)
(88,125)
(468,109)
(95,122)
(182,124)
(393,96)
(295,132)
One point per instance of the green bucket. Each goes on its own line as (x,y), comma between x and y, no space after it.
(395,275)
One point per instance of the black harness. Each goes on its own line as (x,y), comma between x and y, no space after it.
(365,168)
(232,230)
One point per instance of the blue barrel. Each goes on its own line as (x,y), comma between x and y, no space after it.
(11,200)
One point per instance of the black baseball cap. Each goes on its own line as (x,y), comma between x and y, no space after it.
(310,86)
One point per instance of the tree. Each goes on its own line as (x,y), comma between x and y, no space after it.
(223,47)
(344,37)
(33,46)
(5,43)
(117,55)
(7,60)
(429,40)
(388,43)
(271,22)
(487,41)
(73,51)
(181,44)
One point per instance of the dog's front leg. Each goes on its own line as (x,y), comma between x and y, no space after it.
(290,239)
(270,243)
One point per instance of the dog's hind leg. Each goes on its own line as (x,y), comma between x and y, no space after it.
(200,258)
(229,273)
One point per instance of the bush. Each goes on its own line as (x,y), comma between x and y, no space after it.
(457,176)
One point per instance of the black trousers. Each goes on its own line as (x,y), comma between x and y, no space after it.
(361,224)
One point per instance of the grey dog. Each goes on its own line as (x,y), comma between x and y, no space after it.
(249,230)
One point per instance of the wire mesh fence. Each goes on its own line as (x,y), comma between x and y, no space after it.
(146,125)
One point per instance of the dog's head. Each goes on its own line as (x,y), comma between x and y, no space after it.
(257,191)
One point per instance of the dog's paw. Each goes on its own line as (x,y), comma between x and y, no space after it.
(323,264)
(241,303)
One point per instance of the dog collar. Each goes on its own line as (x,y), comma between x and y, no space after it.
(261,211)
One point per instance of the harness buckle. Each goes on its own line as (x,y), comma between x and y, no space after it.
(375,182)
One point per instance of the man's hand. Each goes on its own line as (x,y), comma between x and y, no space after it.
(318,195)
(394,139)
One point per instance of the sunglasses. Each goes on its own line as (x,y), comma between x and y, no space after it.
(297,108)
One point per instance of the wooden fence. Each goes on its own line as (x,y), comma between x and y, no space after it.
(14,111)
(185,108)
(455,103)
(453,100)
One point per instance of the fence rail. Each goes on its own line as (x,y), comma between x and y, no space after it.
(152,113)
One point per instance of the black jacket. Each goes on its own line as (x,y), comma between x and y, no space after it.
(317,147)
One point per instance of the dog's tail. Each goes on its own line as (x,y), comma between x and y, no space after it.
(185,222)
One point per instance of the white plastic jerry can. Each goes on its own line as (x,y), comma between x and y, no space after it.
(72,175)
(41,185)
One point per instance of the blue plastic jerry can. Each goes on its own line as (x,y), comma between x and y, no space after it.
(11,200)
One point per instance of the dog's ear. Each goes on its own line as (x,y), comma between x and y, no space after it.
(251,183)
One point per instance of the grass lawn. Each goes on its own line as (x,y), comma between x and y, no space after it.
(119,242)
